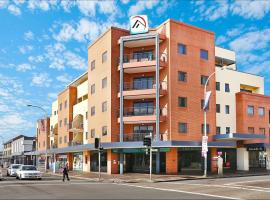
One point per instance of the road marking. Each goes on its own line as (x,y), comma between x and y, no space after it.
(179,191)
(47,184)
(236,183)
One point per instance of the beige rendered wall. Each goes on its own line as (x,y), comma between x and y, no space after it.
(53,118)
(235,79)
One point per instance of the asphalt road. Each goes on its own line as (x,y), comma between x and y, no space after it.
(51,187)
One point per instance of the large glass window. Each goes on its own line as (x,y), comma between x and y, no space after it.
(143,83)
(143,56)
(182,49)
(143,108)
(204,54)
(250,110)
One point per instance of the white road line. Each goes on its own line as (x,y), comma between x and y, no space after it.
(47,184)
(249,186)
(236,183)
(179,191)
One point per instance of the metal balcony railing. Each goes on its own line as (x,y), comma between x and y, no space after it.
(141,57)
(72,126)
(143,85)
(141,111)
(139,136)
(74,143)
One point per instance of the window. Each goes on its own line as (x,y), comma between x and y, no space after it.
(204,54)
(218,130)
(262,131)
(93,65)
(93,88)
(146,129)
(104,82)
(65,139)
(227,109)
(60,107)
(218,108)
(104,106)
(60,140)
(182,76)
(60,124)
(92,133)
(182,102)
(250,129)
(207,129)
(228,130)
(65,121)
(93,110)
(250,110)
(143,83)
(86,115)
(104,57)
(104,130)
(65,103)
(86,159)
(261,111)
(182,49)
(202,105)
(227,87)
(203,80)
(182,127)
(86,135)
(217,86)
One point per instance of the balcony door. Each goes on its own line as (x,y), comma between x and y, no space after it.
(143,83)
(143,55)
(143,108)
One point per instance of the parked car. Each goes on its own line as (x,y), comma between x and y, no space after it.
(12,169)
(28,172)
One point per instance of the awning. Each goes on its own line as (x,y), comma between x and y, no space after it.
(239,136)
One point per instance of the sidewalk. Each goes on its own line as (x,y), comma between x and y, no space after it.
(136,177)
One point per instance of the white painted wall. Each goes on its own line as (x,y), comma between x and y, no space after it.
(242,159)
(21,145)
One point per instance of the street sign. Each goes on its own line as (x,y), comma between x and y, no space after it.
(204,145)
(206,100)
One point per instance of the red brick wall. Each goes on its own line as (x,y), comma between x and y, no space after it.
(172,161)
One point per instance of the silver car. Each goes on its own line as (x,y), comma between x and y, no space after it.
(12,169)
(28,172)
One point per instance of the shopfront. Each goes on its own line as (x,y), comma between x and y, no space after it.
(78,161)
(229,158)
(257,157)
(61,161)
(94,161)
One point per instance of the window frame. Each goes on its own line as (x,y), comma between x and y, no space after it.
(204,55)
(104,56)
(182,131)
(180,102)
(183,50)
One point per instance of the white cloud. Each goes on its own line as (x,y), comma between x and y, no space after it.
(14,10)
(25,49)
(87,7)
(125,1)
(42,4)
(75,61)
(66,5)
(64,78)
(29,35)
(24,67)
(256,40)
(66,33)
(221,39)
(251,9)
(141,6)
(41,80)
(52,95)
(36,59)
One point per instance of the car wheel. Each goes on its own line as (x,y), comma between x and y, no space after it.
(40,179)
(17,177)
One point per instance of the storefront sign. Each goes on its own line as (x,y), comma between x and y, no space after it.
(256,148)
(138,24)
(137,150)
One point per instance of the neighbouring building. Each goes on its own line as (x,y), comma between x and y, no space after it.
(7,153)
(153,84)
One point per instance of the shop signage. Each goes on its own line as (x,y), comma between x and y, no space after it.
(138,24)
(256,148)
(137,150)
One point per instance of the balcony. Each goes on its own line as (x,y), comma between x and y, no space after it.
(143,89)
(77,124)
(136,115)
(144,62)
(71,144)
(139,136)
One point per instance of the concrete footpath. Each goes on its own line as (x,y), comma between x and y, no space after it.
(137,178)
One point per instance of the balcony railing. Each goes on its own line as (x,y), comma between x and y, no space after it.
(141,111)
(74,143)
(143,85)
(136,137)
(142,57)
(78,126)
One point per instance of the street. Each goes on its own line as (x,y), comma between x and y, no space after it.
(51,187)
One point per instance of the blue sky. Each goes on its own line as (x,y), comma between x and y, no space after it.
(43,44)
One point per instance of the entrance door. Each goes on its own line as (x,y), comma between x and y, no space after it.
(257,159)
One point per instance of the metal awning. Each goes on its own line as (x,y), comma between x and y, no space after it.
(238,136)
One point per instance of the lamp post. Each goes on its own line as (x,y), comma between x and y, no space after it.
(46,116)
(205,120)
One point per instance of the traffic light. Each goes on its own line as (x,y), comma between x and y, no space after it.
(147,141)
(96,143)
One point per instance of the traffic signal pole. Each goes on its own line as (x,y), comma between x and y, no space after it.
(150,176)
(99,156)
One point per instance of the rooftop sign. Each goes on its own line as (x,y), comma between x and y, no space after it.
(138,24)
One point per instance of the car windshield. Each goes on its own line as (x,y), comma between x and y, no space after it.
(15,167)
(29,168)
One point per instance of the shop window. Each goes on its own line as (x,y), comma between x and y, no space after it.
(251,130)
(182,102)
(261,111)
(250,110)
(182,49)
(204,54)
(182,127)
(182,76)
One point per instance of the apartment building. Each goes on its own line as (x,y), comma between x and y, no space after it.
(7,153)
(153,84)
(54,125)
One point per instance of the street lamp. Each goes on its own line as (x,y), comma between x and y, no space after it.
(205,138)
(46,116)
